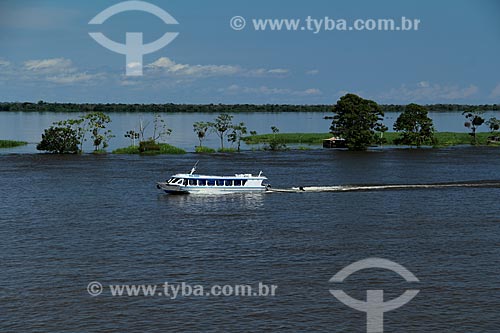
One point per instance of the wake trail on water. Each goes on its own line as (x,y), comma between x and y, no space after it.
(385,187)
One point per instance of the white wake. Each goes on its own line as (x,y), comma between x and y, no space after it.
(349,188)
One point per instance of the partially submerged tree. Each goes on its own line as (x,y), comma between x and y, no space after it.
(59,140)
(201,129)
(80,126)
(133,136)
(237,133)
(97,122)
(357,120)
(160,130)
(494,124)
(474,120)
(149,140)
(415,126)
(221,126)
(275,143)
(64,133)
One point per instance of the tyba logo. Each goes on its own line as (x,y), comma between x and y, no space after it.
(134,48)
(374,306)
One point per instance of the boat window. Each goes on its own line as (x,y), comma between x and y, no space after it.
(210,182)
(185,182)
(243,182)
(237,182)
(219,182)
(228,182)
(202,182)
(192,182)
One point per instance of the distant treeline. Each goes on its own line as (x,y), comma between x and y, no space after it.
(443,107)
(215,108)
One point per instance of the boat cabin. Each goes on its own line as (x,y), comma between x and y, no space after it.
(196,181)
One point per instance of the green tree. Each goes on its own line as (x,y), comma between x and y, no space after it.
(97,122)
(275,143)
(80,126)
(237,133)
(494,124)
(59,140)
(201,129)
(357,120)
(474,120)
(415,126)
(133,136)
(221,125)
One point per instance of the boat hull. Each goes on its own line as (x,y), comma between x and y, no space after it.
(171,189)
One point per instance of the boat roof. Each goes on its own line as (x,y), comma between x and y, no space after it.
(236,176)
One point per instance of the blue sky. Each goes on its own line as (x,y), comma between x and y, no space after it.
(47,54)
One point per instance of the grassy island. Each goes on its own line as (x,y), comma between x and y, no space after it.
(11,143)
(443,138)
(164,148)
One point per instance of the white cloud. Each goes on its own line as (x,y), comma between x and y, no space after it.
(262,72)
(278,71)
(54,70)
(233,87)
(128,83)
(457,93)
(168,66)
(4,63)
(427,92)
(495,92)
(48,64)
(134,65)
(423,84)
(73,78)
(312,72)
(312,91)
(265,90)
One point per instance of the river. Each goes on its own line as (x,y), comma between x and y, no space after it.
(67,221)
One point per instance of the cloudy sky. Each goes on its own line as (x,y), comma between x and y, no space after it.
(46,53)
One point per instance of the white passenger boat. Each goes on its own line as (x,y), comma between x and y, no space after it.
(193,183)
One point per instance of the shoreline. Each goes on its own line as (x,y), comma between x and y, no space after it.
(444,139)
(55,107)
(295,142)
(294,149)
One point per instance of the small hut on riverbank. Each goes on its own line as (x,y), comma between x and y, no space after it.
(334,142)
